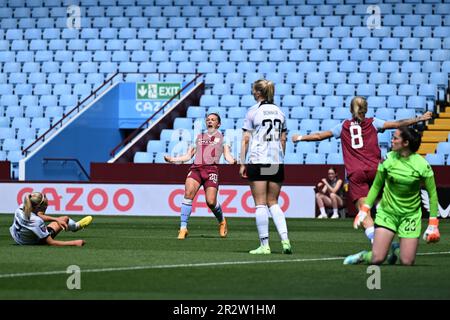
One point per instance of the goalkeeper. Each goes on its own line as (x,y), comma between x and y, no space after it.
(402,174)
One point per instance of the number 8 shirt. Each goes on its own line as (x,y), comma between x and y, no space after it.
(359,143)
(265,121)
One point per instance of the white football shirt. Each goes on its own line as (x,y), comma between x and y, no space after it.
(266,122)
(28,231)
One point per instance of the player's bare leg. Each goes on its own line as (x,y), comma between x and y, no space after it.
(214,205)
(381,245)
(191,187)
(322,201)
(336,202)
(259,193)
(273,192)
(408,250)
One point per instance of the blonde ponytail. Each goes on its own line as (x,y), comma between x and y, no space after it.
(27,206)
(265,88)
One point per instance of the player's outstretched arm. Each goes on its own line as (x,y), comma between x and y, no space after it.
(186,157)
(228,155)
(315,136)
(407,122)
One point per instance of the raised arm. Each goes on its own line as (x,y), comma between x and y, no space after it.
(315,136)
(186,157)
(407,122)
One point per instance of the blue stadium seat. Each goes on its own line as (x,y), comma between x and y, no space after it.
(310,125)
(154,146)
(300,113)
(376,102)
(11,144)
(7,133)
(312,101)
(53,112)
(345,89)
(291,101)
(341,113)
(405,113)
(20,122)
(396,102)
(384,137)
(440,55)
(428,90)
(443,148)
(291,158)
(387,90)
(315,158)
(435,159)
(303,89)
(335,158)
(384,113)
(357,78)
(143,157)
(183,123)
(416,102)
(326,147)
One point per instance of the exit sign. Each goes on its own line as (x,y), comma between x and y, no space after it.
(156,91)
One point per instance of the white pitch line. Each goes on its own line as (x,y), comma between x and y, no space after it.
(187,265)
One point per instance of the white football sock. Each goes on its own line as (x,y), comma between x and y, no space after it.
(262,224)
(322,211)
(280,221)
(370,233)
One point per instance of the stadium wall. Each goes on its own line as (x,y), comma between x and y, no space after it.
(89,136)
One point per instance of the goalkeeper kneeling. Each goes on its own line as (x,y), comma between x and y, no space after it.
(402,174)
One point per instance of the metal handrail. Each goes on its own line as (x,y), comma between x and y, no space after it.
(133,134)
(41,137)
(70,159)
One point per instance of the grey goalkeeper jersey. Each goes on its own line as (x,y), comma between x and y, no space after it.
(28,231)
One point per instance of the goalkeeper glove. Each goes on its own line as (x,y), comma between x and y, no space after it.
(362,214)
(432,233)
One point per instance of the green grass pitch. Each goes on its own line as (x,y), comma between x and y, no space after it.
(140,258)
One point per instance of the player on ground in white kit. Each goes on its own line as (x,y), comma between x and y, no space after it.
(29,226)
(265,136)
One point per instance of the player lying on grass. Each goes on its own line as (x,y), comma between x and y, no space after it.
(361,152)
(399,212)
(208,148)
(29,226)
